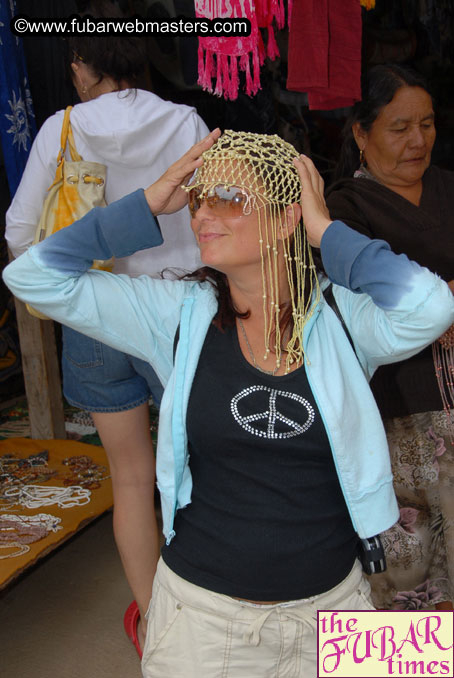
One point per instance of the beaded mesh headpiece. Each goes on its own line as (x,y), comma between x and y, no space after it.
(262,165)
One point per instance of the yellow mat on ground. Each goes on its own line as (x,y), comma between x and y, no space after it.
(71,518)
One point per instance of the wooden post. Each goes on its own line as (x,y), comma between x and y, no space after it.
(41,375)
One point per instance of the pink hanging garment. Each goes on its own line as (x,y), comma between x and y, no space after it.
(324,57)
(223,57)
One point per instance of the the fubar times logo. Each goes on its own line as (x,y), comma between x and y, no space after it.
(363,644)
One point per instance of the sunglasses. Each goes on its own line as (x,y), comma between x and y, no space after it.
(224,201)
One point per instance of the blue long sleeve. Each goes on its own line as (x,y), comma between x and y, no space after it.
(360,264)
(124,227)
(396,302)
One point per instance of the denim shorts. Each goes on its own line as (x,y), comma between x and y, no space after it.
(98,378)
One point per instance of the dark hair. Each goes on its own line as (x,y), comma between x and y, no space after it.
(227,312)
(120,57)
(379,87)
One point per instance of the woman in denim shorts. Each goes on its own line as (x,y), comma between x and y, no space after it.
(137,136)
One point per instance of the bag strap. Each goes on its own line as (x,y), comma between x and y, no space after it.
(331,301)
(67,137)
(75,157)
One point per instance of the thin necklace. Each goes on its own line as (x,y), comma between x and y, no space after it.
(272,373)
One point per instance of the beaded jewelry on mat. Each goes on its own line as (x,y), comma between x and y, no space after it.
(36,496)
(85,472)
(32,469)
(20,530)
(262,165)
(23,549)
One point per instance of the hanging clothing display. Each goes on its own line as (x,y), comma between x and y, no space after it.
(222,58)
(324,55)
(17,120)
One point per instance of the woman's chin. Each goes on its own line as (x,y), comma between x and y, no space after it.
(210,258)
(214,263)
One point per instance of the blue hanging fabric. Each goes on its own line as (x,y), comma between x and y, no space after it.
(17,120)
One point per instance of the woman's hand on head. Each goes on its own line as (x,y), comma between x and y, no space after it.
(166,196)
(315,213)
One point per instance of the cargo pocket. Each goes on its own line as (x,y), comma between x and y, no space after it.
(162,613)
(182,641)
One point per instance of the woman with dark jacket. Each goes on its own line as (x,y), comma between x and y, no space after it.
(387,188)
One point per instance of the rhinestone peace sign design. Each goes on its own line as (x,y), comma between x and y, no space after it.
(271,416)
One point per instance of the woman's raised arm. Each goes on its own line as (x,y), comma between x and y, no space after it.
(166,196)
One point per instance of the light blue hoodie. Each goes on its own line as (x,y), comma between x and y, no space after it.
(393,308)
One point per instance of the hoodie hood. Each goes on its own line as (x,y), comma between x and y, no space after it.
(135,117)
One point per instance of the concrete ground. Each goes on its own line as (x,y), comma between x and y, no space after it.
(64,617)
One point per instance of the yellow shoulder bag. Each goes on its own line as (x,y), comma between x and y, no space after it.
(77,188)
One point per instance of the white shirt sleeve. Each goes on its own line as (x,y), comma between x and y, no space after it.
(201,129)
(24,212)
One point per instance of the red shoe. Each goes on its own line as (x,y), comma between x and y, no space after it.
(130,622)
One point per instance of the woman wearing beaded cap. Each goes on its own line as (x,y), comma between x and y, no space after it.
(388,188)
(272,459)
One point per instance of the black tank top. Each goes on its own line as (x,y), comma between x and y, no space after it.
(267,520)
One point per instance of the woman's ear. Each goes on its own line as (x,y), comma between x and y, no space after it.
(79,80)
(291,217)
(360,135)
(76,75)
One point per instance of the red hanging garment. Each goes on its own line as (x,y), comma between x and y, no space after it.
(223,57)
(324,57)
